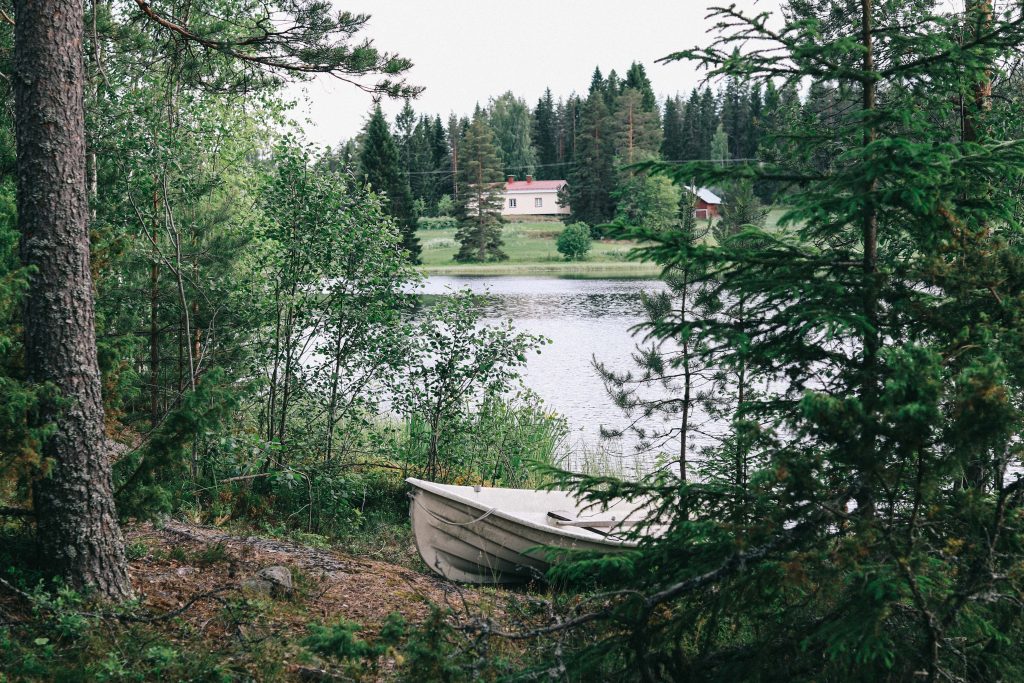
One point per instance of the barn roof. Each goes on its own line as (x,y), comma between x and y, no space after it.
(705,195)
(534,185)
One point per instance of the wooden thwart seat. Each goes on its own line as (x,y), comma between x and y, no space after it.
(603,521)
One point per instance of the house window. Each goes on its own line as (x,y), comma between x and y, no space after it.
(511,203)
(538,202)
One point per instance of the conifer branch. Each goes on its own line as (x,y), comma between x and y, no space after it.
(305,49)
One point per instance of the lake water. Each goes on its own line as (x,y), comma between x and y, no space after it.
(584,319)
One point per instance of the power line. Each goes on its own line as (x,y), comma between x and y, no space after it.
(563,163)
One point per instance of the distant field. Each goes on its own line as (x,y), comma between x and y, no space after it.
(774,214)
(531,250)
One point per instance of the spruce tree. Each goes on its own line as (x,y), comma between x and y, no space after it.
(592,175)
(481,195)
(612,88)
(636,79)
(752,139)
(545,137)
(692,145)
(405,122)
(419,162)
(740,210)
(777,119)
(735,113)
(598,84)
(673,145)
(383,172)
(708,120)
(440,156)
(568,125)
(878,535)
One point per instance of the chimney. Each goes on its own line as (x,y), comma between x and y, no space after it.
(511,179)
(529,178)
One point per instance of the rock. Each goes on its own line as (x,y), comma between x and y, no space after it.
(282,576)
(185,571)
(274,581)
(255,585)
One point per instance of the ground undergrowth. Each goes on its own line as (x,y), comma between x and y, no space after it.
(203,613)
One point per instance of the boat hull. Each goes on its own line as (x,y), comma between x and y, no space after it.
(476,541)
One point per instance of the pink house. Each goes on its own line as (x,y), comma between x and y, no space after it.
(533,197)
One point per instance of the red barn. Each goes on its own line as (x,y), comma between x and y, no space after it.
(706,202)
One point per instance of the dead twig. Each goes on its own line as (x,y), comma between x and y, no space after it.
(214,594)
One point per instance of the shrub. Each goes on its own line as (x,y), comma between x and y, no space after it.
(438,223)
(445,205)
(574,242)
(340,642)
(419,207)
(454,364)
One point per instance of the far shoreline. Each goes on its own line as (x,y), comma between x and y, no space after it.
(580,268)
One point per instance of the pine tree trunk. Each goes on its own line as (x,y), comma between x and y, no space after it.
(869,383)
(77,527)
(979,13)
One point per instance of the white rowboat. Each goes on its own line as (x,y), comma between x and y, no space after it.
(478,534)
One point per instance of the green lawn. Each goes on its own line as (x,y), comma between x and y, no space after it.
(774,214)
(531,249)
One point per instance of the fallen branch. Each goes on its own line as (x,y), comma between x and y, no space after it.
(173,613)
(215,593)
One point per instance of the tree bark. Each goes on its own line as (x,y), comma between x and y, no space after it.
(869,383)
(979,13)
(77,527)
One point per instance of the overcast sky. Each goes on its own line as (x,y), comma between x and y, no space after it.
(467,51)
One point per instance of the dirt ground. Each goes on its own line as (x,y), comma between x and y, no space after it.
(185,561)
(200,593)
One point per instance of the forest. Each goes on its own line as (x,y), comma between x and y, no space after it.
(217,371)
(589,141)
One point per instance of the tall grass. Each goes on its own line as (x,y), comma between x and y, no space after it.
(498,444)
(606,458)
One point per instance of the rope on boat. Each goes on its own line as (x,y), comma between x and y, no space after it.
(415,499)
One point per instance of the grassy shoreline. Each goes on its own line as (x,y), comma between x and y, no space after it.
(530,245)
(622,269)
(531,250)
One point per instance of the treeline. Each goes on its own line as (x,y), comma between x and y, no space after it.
(587,140)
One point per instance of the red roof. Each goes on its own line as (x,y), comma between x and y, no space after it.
(533,185)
